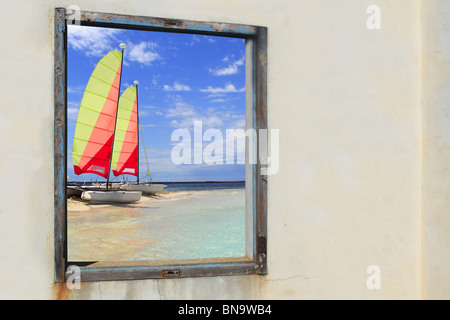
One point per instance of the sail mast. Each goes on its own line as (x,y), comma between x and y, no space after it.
(145,152)
(137,124)
(123,46)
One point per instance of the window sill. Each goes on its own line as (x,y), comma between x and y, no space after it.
(134,270)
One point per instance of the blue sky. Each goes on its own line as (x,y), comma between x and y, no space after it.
(182,78)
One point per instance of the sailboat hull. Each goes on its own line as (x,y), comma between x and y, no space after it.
(74,191)
(111,196)
(144,187)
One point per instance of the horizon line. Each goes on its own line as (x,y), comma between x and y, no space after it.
(169,182)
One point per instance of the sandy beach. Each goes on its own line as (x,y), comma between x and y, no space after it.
(75,204)
(169,225)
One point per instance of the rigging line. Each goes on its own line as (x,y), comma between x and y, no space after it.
(145,152)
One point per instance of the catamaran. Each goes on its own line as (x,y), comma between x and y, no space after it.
(100,143)
(128,162)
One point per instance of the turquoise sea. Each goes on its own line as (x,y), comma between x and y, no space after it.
(190,222)
(205,224)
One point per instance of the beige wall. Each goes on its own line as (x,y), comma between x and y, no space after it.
(436,150)
(348,193)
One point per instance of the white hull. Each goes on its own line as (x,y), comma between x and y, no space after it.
(102,184)
(143,187)
(112,196)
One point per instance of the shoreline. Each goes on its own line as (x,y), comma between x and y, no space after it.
(159,182)
(75,204)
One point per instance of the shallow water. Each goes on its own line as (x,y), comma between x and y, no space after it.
(189,225)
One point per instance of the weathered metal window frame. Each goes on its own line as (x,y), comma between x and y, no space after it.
(256,42)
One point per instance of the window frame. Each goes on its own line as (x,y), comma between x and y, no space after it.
(133,270)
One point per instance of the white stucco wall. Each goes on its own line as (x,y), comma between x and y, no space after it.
(436,155)
(347,101)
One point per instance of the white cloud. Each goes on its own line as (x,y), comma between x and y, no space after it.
(232,67)
(177,87)
(184,115)
(227,89)
(143,52)
(212,121)
(72,113)
(148,107)
(181,109)
(207,122)
(143,113)
(239,124)
(93,41)
(76,89)
(195,39)
(218,100)
(150,111)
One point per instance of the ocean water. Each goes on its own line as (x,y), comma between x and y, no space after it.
(205,224)
(197,186)
(194,221)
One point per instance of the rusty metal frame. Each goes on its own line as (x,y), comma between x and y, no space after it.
(60,137)
(177,269)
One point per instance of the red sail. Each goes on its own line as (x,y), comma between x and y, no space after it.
(125,153)
(96,118)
